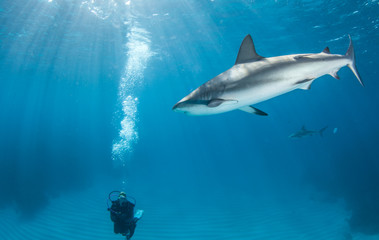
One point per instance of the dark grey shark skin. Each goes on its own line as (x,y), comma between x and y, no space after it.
(303,132)
(254,79)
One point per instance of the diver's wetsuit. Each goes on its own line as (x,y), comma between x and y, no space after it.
(123,217)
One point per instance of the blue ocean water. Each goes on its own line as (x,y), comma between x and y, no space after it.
(86,92)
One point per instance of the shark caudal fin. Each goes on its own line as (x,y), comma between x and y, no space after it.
(351,55)
(322,131)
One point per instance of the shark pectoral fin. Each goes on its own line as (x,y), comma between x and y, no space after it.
(251,109)
(217,102)
(247,51)
(305,84)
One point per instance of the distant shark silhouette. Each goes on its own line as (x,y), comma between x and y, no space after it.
(254,79)
(303,132)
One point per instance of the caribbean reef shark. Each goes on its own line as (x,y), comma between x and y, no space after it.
(254,79)
(303,132)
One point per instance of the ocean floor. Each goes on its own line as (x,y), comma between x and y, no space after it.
(84,216)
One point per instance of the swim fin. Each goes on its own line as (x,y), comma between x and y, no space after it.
(138,214)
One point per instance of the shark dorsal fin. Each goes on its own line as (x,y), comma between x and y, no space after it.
(326,50)
(247,51)
(303,128)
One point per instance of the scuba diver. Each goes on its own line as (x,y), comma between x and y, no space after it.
(122,214)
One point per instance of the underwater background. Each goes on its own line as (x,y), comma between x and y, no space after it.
(86,92)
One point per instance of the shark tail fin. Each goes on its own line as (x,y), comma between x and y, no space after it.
(322,131)
(351,56)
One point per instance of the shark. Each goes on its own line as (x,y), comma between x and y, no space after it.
(254,79)
(303,132)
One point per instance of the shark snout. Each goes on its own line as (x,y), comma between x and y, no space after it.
(176,106)
(179,107)
(186,106)
(182,105)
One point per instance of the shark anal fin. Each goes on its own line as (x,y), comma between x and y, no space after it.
(305,84)
(251,109)
(217,102)
(335,75)
(247,51)
(326,50)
